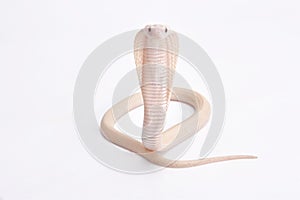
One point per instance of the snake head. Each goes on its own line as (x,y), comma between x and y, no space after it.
(156,31)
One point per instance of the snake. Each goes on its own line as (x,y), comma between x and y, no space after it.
(156,50)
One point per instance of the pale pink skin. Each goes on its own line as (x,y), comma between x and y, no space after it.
(155,57)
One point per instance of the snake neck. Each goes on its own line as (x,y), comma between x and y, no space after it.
(156,62)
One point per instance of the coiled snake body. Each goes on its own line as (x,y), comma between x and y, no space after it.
(155,52)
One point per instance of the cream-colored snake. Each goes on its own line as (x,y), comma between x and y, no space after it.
(156,52)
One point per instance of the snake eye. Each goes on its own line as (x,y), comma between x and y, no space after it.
(149,29)
(166,30)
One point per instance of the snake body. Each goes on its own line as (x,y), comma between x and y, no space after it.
(155,52)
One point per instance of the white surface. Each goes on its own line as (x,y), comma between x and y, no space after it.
(255,46)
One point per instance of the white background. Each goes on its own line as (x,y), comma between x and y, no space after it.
(254,44)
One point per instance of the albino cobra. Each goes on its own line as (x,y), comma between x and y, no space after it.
(156,52)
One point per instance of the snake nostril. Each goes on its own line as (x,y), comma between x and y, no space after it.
(166,30)
(149,29)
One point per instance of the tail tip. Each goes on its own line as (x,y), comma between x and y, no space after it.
(252,157)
